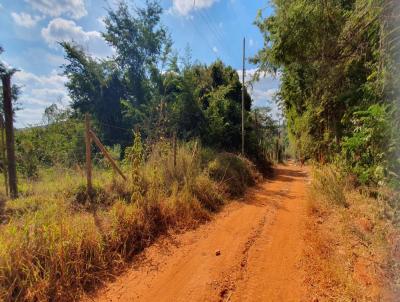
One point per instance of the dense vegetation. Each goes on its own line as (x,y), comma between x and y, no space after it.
(56,241)
(58,141)
(147,86)
(336,61)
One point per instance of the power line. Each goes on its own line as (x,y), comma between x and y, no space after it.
(205,38)
(200,33)
(211,21)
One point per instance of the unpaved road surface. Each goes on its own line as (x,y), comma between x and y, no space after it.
(260,240)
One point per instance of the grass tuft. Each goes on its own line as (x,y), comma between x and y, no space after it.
(328,185)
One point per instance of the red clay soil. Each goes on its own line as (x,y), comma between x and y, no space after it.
(251,251)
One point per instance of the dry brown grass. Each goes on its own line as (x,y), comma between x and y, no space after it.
(349,253)
(55,244)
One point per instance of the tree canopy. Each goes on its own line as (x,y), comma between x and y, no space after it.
(332,62)
(147,85)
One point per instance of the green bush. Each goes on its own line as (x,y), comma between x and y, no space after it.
(61,142)
(369,149)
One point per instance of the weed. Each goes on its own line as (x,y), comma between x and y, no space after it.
(233,172)
(328,185)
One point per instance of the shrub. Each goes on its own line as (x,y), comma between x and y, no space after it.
(159,169)
(328,185)
(233,172)
(61,142)
(134,155)
(369,149)
(207,192)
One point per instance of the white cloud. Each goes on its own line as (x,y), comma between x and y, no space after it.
(184,7)
(262,91)
(101,22)
(249,74)
(38,92)
(263,96)
(251,42)
(28,117)
(55,8)
(215,49)
(25,20)
(55,60)
(263,75)
(31,82)
(46,96)
(59,30)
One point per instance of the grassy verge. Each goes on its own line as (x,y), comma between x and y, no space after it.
(55,244)
(353,250)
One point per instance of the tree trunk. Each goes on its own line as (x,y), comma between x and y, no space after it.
(8,114)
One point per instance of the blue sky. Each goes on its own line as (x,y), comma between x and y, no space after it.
(30,30)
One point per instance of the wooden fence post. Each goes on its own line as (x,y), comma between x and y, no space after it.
(8,112)
(174,146)
(106,154)
(3,154)
(88,157)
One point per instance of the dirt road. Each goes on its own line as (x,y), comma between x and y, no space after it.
(260,240)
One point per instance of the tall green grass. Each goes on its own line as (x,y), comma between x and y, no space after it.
(54,244)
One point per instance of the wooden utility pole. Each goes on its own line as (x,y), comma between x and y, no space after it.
(8,112)
(243,76)
(88,156)
(3,154)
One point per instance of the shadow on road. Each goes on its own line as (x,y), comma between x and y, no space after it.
(270,193)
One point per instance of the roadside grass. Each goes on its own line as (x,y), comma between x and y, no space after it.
(328,185)
(55,244)
(351,252)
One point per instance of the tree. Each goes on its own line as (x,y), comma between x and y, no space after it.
(119,91)
(15,89)
(147,87)
(5,75)
(331,56)
(327,54)
(95,87)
